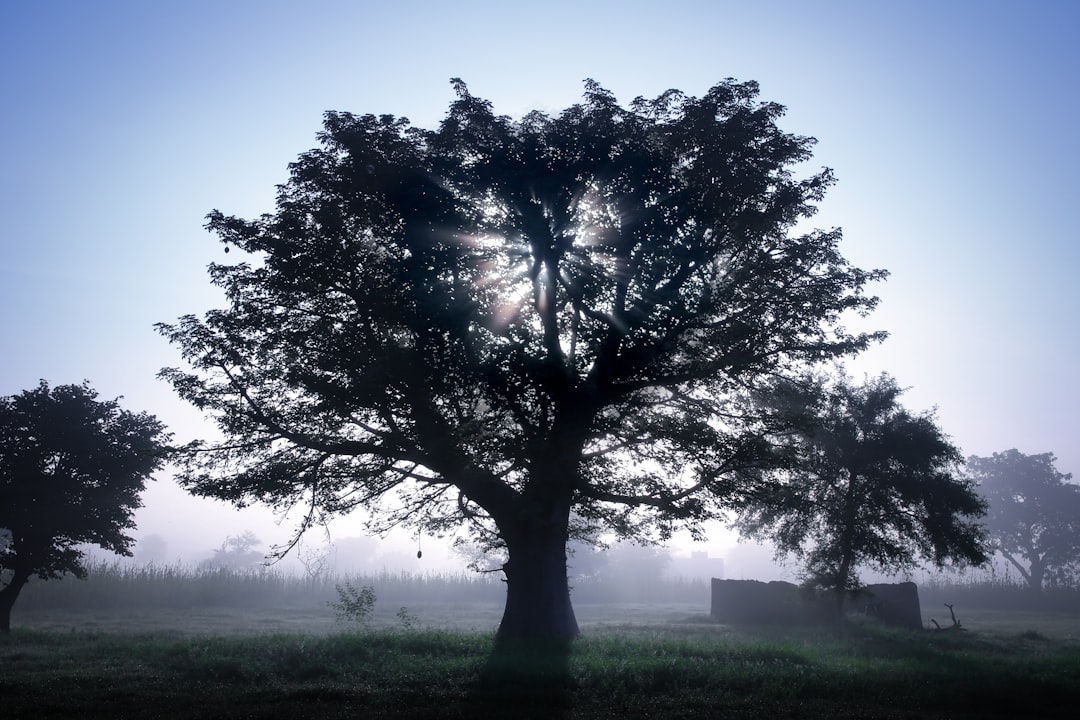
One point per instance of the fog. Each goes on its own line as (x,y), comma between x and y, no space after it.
(186,530)
(176,528)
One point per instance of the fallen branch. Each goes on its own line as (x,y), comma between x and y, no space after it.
(955,623)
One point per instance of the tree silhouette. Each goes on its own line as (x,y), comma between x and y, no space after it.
(868,483)
(71,471)
(539,327)
(1034,518)
(237,552)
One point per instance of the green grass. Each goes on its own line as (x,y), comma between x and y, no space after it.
(106,675)
(687,669)
(176,643)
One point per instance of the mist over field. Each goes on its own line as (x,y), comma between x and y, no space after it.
(398,553)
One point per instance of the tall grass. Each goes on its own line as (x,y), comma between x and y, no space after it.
(998,593)
(115,586)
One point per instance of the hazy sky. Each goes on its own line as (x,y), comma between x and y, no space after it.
(951,126)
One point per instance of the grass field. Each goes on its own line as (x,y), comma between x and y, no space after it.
(171,643)
(663,661)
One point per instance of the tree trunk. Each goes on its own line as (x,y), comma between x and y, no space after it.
(538,604)
(536,532)
(1038,573)
(528,674)
(1033,575)
(8,595)
(1018,565)
(847,552)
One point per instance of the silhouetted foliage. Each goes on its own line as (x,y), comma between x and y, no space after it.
(237,552)
(868,484)
(71,470)
(354,604)
(1034,517)
(541,327)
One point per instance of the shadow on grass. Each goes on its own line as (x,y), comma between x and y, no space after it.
(524,679)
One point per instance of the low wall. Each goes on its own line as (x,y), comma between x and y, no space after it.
(892,603)
(771,603)
(783,603)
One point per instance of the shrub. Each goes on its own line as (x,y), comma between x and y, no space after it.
(354,605)
(406,619)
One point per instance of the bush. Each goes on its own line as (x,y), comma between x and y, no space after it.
(354,605)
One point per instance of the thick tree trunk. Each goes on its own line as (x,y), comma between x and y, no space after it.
(528,674)
(538,604)
(536,532)
(8,595)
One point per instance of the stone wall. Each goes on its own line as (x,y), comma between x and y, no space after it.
(782,603)
(892,603)
(771,603)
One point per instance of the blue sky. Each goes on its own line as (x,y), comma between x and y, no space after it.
(950,125)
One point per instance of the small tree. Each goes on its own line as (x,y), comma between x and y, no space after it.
(1034,517)
(317,562)
(867,483)
(71,471)
(237,552)
(354,604)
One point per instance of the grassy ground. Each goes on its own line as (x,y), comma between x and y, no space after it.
(632,661)
(319,620)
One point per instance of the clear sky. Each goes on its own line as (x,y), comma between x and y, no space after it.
(951,126)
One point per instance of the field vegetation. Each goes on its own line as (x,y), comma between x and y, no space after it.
(671,670)
(109,586)
(172,643)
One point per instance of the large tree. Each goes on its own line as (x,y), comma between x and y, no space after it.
(71,471)
(537,327)
(867,484)
(1034,518)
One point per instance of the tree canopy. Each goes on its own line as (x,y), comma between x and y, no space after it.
(71,472)
(868,484)
(1034,517)
(541,328)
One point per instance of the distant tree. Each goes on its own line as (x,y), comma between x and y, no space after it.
(71,471)
(151,549)
(537,327)
(317,562)
(868,483)
(237,552)
(1034,517)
